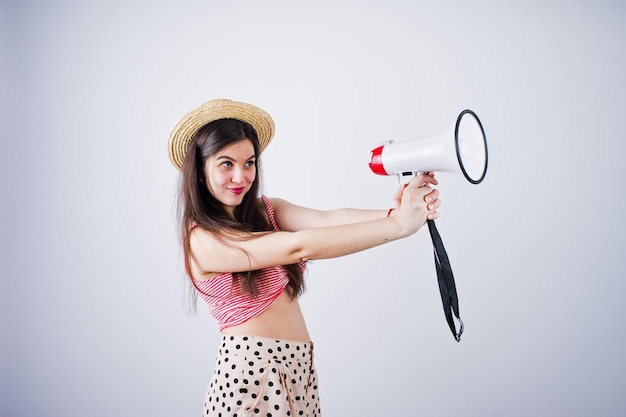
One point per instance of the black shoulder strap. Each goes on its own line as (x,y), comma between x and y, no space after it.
(447,287)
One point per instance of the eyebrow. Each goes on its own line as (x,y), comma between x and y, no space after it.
(233,159)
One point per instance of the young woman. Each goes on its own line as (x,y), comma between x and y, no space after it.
(246,255)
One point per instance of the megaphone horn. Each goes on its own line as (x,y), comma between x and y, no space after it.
(461,148)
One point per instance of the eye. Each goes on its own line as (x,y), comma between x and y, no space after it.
(251,163)
(226,164)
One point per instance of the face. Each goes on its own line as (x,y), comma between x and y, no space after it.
(230,172)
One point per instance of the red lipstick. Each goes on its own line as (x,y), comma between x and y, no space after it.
(237,190)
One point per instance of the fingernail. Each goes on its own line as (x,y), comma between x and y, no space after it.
(429,199)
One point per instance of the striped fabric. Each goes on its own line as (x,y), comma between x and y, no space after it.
(230,304)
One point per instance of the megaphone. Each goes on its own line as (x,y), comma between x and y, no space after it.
(461,148)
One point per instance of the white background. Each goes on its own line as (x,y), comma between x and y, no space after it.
(93,296)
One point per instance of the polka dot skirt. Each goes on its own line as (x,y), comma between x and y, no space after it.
(256,376)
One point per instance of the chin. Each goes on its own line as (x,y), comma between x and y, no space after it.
(233,201)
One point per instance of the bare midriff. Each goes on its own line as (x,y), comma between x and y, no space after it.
(283,320)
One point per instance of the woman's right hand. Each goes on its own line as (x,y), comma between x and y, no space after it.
(418,202)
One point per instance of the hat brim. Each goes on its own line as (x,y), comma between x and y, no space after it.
(181,135)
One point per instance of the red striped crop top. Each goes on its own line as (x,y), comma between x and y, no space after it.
(230,304)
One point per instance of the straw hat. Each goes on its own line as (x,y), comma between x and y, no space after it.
(186,128)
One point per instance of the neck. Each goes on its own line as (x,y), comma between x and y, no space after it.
(230,211)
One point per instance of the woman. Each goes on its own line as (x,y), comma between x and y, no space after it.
(246,256)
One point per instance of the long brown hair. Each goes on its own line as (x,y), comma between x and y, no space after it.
(197,207)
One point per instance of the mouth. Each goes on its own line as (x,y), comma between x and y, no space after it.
(237,190)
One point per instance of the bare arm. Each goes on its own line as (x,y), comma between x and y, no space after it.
(209,255)
(282,248)
(293,218)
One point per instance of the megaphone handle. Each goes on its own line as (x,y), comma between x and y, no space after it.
(406,176)
(445,278)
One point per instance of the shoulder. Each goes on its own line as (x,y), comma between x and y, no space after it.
(280,207)
(275,203)
(201,237)
(291,217)
(202,245)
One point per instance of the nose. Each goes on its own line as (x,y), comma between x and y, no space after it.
(238,176)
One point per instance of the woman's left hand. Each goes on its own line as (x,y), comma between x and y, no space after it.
(397,198)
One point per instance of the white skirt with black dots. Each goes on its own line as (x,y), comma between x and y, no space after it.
(257,376)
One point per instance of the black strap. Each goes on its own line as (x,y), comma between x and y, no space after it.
(447,288)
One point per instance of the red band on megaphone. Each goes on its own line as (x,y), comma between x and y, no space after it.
(376,161)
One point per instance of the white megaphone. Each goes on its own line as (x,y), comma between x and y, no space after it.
(461,148)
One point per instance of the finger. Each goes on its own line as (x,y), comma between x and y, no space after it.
(430,179)
(434,205)
(422,180)
(401,189)
(432,196)
(397,197)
